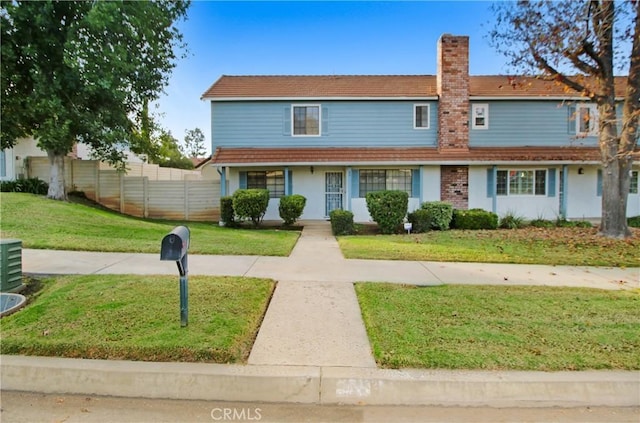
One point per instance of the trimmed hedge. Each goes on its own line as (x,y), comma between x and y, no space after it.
(440,214)
(388,209)
(251,204)
(291,208)
(420,220)
(634,221)
(342,222)
(29,186)
(474,219)
(227,214)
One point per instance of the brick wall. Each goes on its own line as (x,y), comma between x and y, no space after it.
(454,186)
(453,90)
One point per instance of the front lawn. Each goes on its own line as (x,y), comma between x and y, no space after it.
(47,224)
(128,317)
(501,327)
(553,246)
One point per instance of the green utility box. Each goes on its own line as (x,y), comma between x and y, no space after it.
(10,265)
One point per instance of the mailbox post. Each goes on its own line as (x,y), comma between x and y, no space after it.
(174,247)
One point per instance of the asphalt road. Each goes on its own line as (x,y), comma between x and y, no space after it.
(33,407)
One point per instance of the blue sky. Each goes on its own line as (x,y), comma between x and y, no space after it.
(315,38)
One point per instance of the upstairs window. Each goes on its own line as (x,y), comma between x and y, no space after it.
(420,116)
(306,120)
(521,182)
(586,120)
(479,116)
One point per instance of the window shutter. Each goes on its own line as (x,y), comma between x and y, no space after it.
(599,183)
(551,182)
(290,182)
(325,121)
(355,183)
(415,183)
(571,120)
(243,180)
(491,183)
(286,122)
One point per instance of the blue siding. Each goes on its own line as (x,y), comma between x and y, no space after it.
(344,124)
(527,123)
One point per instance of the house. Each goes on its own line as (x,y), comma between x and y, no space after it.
(498,143)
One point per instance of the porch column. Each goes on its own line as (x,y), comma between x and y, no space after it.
(421,175)
(347,187)
(564,185)
(494,191)
(223,182)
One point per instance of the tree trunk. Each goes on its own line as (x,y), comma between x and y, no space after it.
(56,178)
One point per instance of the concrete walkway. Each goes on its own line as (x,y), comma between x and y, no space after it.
(312,346)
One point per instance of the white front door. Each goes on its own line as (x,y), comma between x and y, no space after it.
(332,192)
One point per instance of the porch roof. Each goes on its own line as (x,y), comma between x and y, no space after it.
(410,156)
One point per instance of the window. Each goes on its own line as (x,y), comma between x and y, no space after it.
(586,120)
(633,185)
(521,182)
(306,120)
(420,116)
(479,116)
(380,180)
(273,180)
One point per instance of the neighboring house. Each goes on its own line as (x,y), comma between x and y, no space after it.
(492,142)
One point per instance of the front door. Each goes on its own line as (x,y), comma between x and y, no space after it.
(332,191)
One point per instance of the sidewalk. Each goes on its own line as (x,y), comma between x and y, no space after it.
(312,346)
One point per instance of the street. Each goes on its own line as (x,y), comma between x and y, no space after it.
(26,407)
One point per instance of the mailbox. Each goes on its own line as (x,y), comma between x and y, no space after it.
(175,247)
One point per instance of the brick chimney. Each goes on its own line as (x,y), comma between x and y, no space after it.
(453,92)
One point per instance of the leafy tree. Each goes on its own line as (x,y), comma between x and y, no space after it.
(574,43)
(78,71)
(194,143)
(169,154)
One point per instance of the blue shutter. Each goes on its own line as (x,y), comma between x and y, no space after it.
(325,121)
(3,164)
(571,120)
(243,180)
(415,183)
(290,182)
(286,122)
(355,183)
(599,183)
(551,182)
(491,183)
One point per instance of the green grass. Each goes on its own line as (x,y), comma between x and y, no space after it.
(138,318)
(553,246)
(501,327)
(47,224)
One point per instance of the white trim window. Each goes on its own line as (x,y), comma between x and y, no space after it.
(633,182)
(521,182)
(586,120)
(305,120)
(479,116)
(421,116)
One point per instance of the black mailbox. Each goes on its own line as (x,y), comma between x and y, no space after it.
(175,244)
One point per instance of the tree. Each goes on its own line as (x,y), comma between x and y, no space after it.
(76,71)
(194,143)
(169,154)
(574,43)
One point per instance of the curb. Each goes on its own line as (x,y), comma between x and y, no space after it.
(319,385)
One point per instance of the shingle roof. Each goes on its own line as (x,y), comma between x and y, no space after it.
(416,155)
(381,86)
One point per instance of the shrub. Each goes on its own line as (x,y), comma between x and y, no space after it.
(474,219)
(388,209)
(227,214)
(342,222)
(512,221)
(291,208)
(541,223)
(29,185)
(441,214)
(634,222)
(564,223)
(420,220)
(251,204)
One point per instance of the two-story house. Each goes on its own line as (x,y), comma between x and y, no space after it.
(498,143)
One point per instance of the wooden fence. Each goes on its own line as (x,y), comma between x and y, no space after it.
(144,191)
